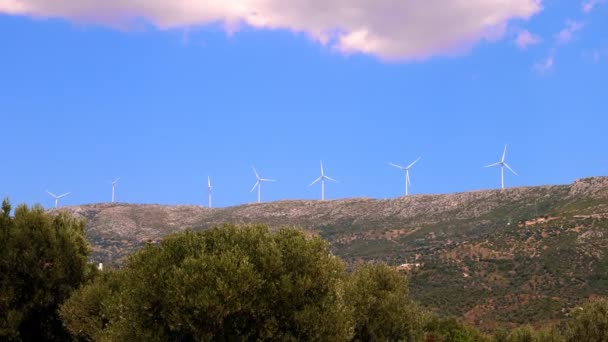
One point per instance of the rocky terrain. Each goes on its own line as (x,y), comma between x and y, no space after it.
(490,257)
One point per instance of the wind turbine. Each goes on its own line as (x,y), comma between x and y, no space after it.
(322,179)
(258,183)
(114,187)
(502,165)
(209,189)
(406,169)
(57,197)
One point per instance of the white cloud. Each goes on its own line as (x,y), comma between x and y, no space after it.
(525,39)
(565,36)
(589,5)
(595,55)
(389,29)
(545,66)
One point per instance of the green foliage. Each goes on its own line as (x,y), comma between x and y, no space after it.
(42,260)
(85,313)
(248,283)
(450,330)
(382,308)
(549,334)
(222,284)
(528,334)
(589,322)
(522,334)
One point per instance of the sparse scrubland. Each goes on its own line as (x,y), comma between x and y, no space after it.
(489,258)
(231,282)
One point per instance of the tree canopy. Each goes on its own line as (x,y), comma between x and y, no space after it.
(221,284)
(382,309)
(42,260)
(589,322)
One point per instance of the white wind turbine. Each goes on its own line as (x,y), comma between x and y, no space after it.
(209,189)
(114,187)
(57,197)
(322,179)
(258,183)
(502,165)
(406,169)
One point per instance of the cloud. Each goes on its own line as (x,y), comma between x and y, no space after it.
(389,29)
(565,36)
(545,66)
(525,39)
(589,5)
(595,55)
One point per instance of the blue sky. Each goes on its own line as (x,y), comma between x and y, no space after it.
(165,102)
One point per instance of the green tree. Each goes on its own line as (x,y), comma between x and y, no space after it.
(522,334)
(528,334)
(42,260)
(589,323)
(86,312)
(450,330)
(549,334)
(500,335)
(228,283)
(382,308)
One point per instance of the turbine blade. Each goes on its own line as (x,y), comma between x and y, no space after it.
(208,181)
(321,168)
(316,180)
(397,166)
(256,172)
(495,164)
(267,180)
(510,169)
(331,179)
(412,164)
(60,196)
(504,154)
(52,194)
(254,186)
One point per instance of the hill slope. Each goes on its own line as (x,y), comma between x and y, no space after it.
(492,257)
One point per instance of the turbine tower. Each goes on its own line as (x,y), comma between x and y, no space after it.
(209,189)
(406,169)
(258,183)
(114,188)
(322,179)
(502,165)
(57,197)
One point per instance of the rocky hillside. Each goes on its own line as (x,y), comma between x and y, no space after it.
(492,257)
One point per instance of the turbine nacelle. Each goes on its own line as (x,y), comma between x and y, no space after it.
(57,197)
(406,169)
(258,183)
(209,188)
(322,179)
(114,187)
(503,164)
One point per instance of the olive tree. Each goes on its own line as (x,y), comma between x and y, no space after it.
(42,260)
(221,284)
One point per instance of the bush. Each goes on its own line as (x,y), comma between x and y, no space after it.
(589,323)
(381,305)
(450,330)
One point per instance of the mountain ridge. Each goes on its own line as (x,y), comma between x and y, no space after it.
(144,222)
(491,257)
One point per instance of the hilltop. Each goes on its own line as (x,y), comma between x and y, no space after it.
(491,257)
